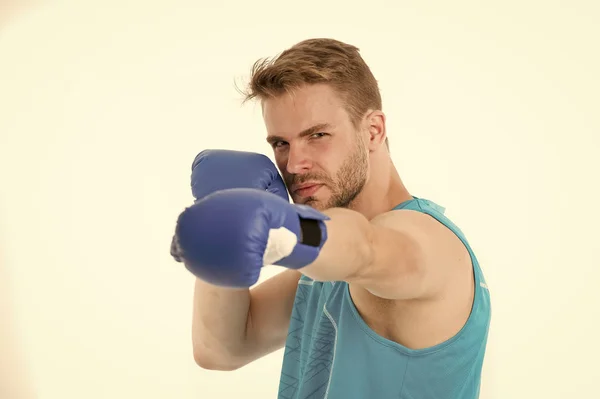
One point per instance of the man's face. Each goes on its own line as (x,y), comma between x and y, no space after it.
(321,155)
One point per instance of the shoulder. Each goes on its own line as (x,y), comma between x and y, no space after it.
(428,232)
(441,253)
(435,299)
(402,219)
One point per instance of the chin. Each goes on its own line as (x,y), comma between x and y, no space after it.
(319,204)
(310,201)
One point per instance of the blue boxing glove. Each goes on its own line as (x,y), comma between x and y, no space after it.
(227,237)
(214,170)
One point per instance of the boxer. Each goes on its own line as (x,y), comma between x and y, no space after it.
(381,296)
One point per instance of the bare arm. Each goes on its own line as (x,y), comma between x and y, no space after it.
(400,254)
(233,327)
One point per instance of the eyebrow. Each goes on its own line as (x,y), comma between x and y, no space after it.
(306,132)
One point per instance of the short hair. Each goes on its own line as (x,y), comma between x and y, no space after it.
(315,61)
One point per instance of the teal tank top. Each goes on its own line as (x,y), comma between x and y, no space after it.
(331,353)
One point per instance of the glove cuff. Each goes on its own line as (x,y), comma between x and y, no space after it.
(311,235)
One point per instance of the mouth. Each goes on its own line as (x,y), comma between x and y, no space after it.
(307,190)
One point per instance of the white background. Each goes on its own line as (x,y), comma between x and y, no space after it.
(492,112)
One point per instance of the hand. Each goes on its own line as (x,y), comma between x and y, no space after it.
(214,170)
(227,237)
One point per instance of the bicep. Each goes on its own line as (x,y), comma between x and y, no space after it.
(271,304)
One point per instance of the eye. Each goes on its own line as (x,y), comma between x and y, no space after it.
(278,144)
(318,135)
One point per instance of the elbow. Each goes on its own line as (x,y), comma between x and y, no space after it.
(213,362)
(204,361)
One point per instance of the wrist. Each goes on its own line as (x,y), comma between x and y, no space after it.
(297,244)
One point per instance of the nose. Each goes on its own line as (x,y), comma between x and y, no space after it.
(298,161)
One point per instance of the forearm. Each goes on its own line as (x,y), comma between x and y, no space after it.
(348,251)
(219,326)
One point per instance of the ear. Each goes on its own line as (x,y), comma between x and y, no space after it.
(375,125)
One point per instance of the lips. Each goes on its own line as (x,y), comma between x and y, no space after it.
(306,190)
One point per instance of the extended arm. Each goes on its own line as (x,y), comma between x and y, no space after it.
(401,254)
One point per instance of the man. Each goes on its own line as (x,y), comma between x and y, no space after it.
(382,296)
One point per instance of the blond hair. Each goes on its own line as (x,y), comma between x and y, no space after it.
(315,61)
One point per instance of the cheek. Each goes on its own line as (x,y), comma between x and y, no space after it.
(281,162)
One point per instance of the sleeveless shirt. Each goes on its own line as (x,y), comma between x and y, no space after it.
(331,353)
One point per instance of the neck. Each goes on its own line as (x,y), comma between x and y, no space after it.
(382,192)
